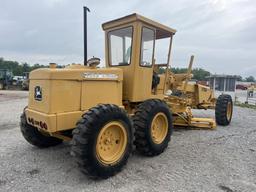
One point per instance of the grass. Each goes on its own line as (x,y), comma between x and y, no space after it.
(245,105)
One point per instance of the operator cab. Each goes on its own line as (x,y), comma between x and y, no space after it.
(140,47)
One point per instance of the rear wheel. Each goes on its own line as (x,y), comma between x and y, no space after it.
(102,141)
(224,110)
(153,127)
(35,137)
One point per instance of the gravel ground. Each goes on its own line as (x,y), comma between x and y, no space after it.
(196,160)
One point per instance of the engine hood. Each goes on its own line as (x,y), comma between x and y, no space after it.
(77,72)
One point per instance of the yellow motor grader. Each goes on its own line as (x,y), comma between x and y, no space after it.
(104,111)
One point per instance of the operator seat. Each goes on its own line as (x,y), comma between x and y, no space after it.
(155,80)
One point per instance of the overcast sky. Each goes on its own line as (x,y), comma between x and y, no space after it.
(220,33)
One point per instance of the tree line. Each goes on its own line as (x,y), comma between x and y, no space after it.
(246,79)
(198,73)
(201,74)
(18,69)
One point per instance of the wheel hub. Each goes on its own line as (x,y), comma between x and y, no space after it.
(159,128)
(229,111)
(111,143)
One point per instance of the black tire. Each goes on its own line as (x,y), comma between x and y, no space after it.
(142,120)
(221,109)
(85,138)
(35,137)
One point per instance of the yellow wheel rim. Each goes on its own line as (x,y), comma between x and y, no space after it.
(159,128)
(229,110)
(111,143)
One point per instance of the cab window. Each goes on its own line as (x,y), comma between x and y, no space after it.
(120,46)
(161,50)
(147,47)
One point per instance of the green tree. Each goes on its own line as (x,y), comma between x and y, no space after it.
(250,79)
(16,68)
(239,78)
(177,70)
(198,73)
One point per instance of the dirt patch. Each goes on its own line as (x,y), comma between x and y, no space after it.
(34,172)
(7,95)
(8,126)
(225,188)
(2,182)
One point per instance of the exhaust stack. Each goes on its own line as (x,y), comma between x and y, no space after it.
(85,34)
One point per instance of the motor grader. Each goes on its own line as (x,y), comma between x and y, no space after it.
(105,111)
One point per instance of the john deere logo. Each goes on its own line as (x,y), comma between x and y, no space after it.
(38,93)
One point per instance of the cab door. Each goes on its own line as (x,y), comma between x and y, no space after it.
(144,67)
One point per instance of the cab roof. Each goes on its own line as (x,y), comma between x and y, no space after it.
(162,31)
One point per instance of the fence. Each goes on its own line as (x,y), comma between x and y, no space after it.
(251,97)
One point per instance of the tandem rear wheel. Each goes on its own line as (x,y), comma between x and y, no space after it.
(102,141)
(153,127)
(103,138)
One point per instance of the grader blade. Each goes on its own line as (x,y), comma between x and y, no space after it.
(194,122)
(203,123)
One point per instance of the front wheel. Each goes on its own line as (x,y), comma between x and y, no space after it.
(102,141)
(224,109)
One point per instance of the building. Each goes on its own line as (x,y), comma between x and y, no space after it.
(223,83)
